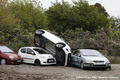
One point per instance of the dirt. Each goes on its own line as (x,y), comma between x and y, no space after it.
(31,72)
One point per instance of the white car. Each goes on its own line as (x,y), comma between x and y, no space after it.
(89,58)
(36,55)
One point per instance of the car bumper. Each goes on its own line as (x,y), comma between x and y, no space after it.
(48,62)
(91,65)
(14,61)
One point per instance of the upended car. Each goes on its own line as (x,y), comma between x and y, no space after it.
(7,56)
(37,56)
(89,58)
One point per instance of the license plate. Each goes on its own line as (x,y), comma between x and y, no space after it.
(18,60)
(50,61)
(99,63)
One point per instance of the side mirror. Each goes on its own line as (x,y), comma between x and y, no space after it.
(79,55)
(33,53)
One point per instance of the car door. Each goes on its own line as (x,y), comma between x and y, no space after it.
(30,56)
(75,58)
(79,58)
(22,53)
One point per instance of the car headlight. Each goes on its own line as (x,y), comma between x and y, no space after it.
(107,61)
(11,57)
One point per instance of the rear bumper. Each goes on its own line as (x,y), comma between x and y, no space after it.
(91,65)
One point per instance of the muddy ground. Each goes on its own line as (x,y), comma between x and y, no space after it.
(31,72)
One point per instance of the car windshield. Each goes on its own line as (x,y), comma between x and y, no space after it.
(90,53)
(5,49)
(41,51)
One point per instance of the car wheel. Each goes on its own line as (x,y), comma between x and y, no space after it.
(37,63)
(82,65)
(3,61)
(71,64)
(107,68)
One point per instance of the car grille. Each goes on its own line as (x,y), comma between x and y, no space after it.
(98,61)
(50,61)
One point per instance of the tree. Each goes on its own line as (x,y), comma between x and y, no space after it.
(101,9)
(88,17)
(115,23)
(59,17)
(63,16)
(8,23)
(30,13)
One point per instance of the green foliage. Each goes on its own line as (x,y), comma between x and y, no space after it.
(23,38)
(59,17)
(101,9)
(30,13)
(115,23)
(63,16)
(88,17)
(100,40)
(8,22)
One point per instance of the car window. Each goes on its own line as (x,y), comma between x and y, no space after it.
(76,53)
(23,50)
(91,53)
(41,51)
(29,51)
(5,49)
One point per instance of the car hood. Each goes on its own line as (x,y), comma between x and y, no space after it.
(12,54)
(102,58)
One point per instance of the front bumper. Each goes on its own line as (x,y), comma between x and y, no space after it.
(91,65)
(19,61)
(50,61)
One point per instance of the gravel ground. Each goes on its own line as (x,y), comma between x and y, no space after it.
(31,72)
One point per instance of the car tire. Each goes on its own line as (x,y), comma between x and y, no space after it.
(37,63)
(82,66)
(71,65)
(107,68)
(3,62)
(40,32)
(69,61)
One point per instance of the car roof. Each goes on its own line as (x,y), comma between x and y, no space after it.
(31,47)
(86,50)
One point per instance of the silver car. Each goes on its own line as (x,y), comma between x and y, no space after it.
(89,58)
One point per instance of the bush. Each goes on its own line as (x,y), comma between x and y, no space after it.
(99,40)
